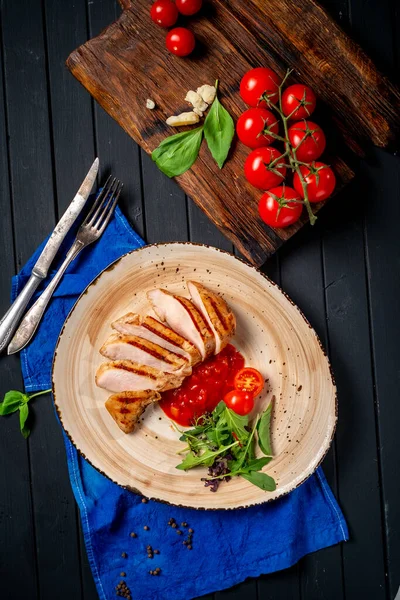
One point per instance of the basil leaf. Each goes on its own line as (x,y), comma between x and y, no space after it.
(261,480)
(12,401)
(219,130)
(23,415)
(264,430)
(177,153)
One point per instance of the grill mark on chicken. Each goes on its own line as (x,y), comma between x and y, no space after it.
(152,351)
(164,337)
(221,316)
(187,305)
(144,372)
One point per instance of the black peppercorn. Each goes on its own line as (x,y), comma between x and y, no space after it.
(183,524)
(156,552)
(190,530)
(174,525)
(179,532)
(133,534)
(146,528)
(124,554)
(122,574)
(189,547)
(144,500)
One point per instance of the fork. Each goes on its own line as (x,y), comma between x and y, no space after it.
(91,230)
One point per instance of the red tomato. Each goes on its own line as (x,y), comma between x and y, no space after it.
(320,179)
(189,7)
(180,41)
(253,126)
(275,207)
(257,83)
(164,13)
(301,97)
(258,172)
(240,402)
(308,139)
(249,380)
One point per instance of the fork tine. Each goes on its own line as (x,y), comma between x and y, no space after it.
(106,204)
(100,200)
(111,209)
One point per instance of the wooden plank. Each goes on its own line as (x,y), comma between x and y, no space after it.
(34,210)
(16,514)
(123,51)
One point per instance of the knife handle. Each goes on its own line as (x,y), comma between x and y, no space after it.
(9,322)
(31,320)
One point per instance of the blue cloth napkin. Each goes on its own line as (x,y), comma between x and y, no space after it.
(228,546)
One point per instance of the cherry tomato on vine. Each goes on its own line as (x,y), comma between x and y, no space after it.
(188,7)
(308,139)
(164,13)
(249,380)
(180,41)
(240,402)
(320,179)
(257,82)
(253,126)
(301,97)
(258,172)
(276,208)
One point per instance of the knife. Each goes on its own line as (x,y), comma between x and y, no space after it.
(9,322)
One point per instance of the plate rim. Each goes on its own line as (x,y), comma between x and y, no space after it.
(258,270)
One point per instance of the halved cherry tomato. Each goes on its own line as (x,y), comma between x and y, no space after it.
(258,171)
(249,380)
(308,139)
(276,208)
(180,41)
(253,126)
(258,83)
(320,179)
(300,97)
(240,402)
(164,13)
(188,7)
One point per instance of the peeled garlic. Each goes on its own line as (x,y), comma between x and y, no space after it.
(150,104)
(185,118)
(207,93)
(198,112)
(196,101)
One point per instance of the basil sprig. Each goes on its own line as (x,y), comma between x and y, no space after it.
(177,153)
(18,401)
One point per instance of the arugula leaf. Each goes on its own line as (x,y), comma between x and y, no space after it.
(264,430)
(236,423)
(261,480)
(206,459)
(177,153)
(219,130)
(12,401)
(23,415)
(258,463)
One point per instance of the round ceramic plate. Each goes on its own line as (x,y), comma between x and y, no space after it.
(273,336)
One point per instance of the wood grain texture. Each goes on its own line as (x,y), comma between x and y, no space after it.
(128,63)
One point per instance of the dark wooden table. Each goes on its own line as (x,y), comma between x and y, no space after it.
(343,273)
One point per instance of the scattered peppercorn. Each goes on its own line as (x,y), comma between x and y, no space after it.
(146,528)
(174,525)
(124,554)
(123,590)
(122,574)
(144,500)
(179,532)
(133,534)
(183,524)
(189,546)
(190,530)
(156,552)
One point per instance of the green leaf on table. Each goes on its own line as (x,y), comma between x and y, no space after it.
(219,130)
(177,153)
(12,401)
(264,430)
(23,415)
(261,480)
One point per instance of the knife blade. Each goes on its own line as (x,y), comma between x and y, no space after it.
(9,322)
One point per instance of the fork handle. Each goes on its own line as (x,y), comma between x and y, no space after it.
(30,322)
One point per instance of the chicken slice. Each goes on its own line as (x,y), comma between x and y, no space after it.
(122,375)
(150,329)
(126,408)
(216,311)
(143,352)
(182,315)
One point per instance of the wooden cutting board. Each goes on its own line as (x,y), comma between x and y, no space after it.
(128,63)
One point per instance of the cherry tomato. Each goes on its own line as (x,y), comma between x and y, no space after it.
(164,13)
(275,207)
(180,41)
(301,97)
(257,170)
(320,179)
(188,7)
(253,126)
(308,139)
(240,402)
(257,83)
(249,380)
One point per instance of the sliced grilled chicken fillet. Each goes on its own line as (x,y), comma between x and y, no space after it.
(123,375)
(143,352)
(126,408)
(215,310)
(150,329)
(182,316)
